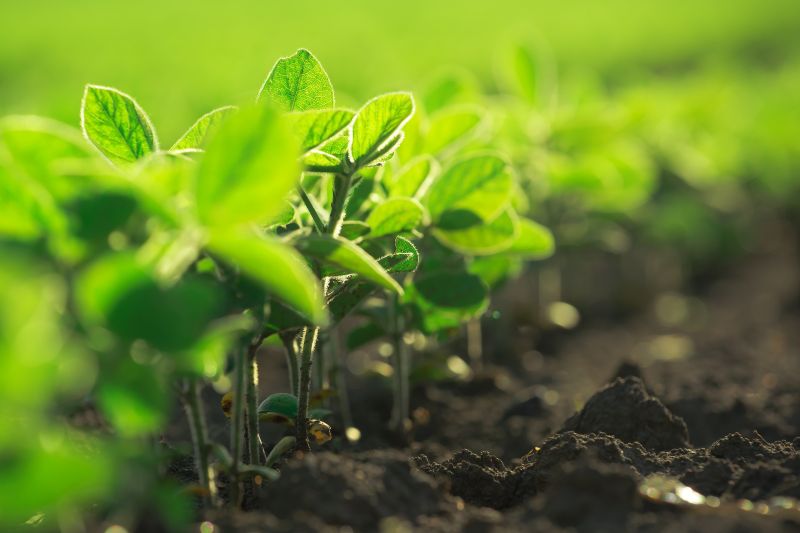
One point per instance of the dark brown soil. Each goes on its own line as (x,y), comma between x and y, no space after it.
(616,426)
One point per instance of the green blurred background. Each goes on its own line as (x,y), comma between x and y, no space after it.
(181,58)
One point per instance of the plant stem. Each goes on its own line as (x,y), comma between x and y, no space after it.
(341,187)
(312,210)
(291,360)
(475,343)
(254,438)
(199,430)
(307,342)
(401,371)
(237,424)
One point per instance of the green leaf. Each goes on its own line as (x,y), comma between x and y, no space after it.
(349,256)
(249,168)
(133,397)
(405,249)
(412,180)
(494,269)
(116,125)
(43,149)
(314,128)
(377,124)
(444,299)
(201,131)
(533,241)
(277,267)
(319,161)
(285,216)
(463,232)
(395,215)
(283,318)
(298,83)
(353,229)
(531,74)
(451,127)
(480,184)
(279,404)
(119,293)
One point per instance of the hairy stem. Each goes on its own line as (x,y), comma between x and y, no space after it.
(341,187)
(237,424)
(312,210)
(199,430)
(253,436)
(307,342)
(401,371)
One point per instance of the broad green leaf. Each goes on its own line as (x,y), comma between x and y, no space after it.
(343,301)
(481,184)
(388,151)
(285,216)
(444,299)
(451,128)
(377,124)
(413,179)
(276,266)
(122,295)
(298,83)
(464,232)
(314,128)
(347,255)
(249,168)
(116,125)
(395,215)
(533,241)
(353,229)
(133,397)
(494,269)
(319,161)
(43,150)
(451,290)
(283,318)
(531,74)
(201,131)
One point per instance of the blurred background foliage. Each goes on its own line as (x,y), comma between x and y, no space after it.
(182,58)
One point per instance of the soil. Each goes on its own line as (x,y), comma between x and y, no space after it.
(627,423)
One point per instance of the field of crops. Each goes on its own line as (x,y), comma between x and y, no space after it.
(399,267)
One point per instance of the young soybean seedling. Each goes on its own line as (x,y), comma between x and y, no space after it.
(346,147)
(227,220)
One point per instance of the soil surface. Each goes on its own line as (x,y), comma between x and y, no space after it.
(683,416)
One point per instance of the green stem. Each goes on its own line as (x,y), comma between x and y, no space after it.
(341,187)
(254,438)
(312,210)
(291,360)
(237,424)
(475,344)
(199,430)
(322,361)
(400,410)
(307,342)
